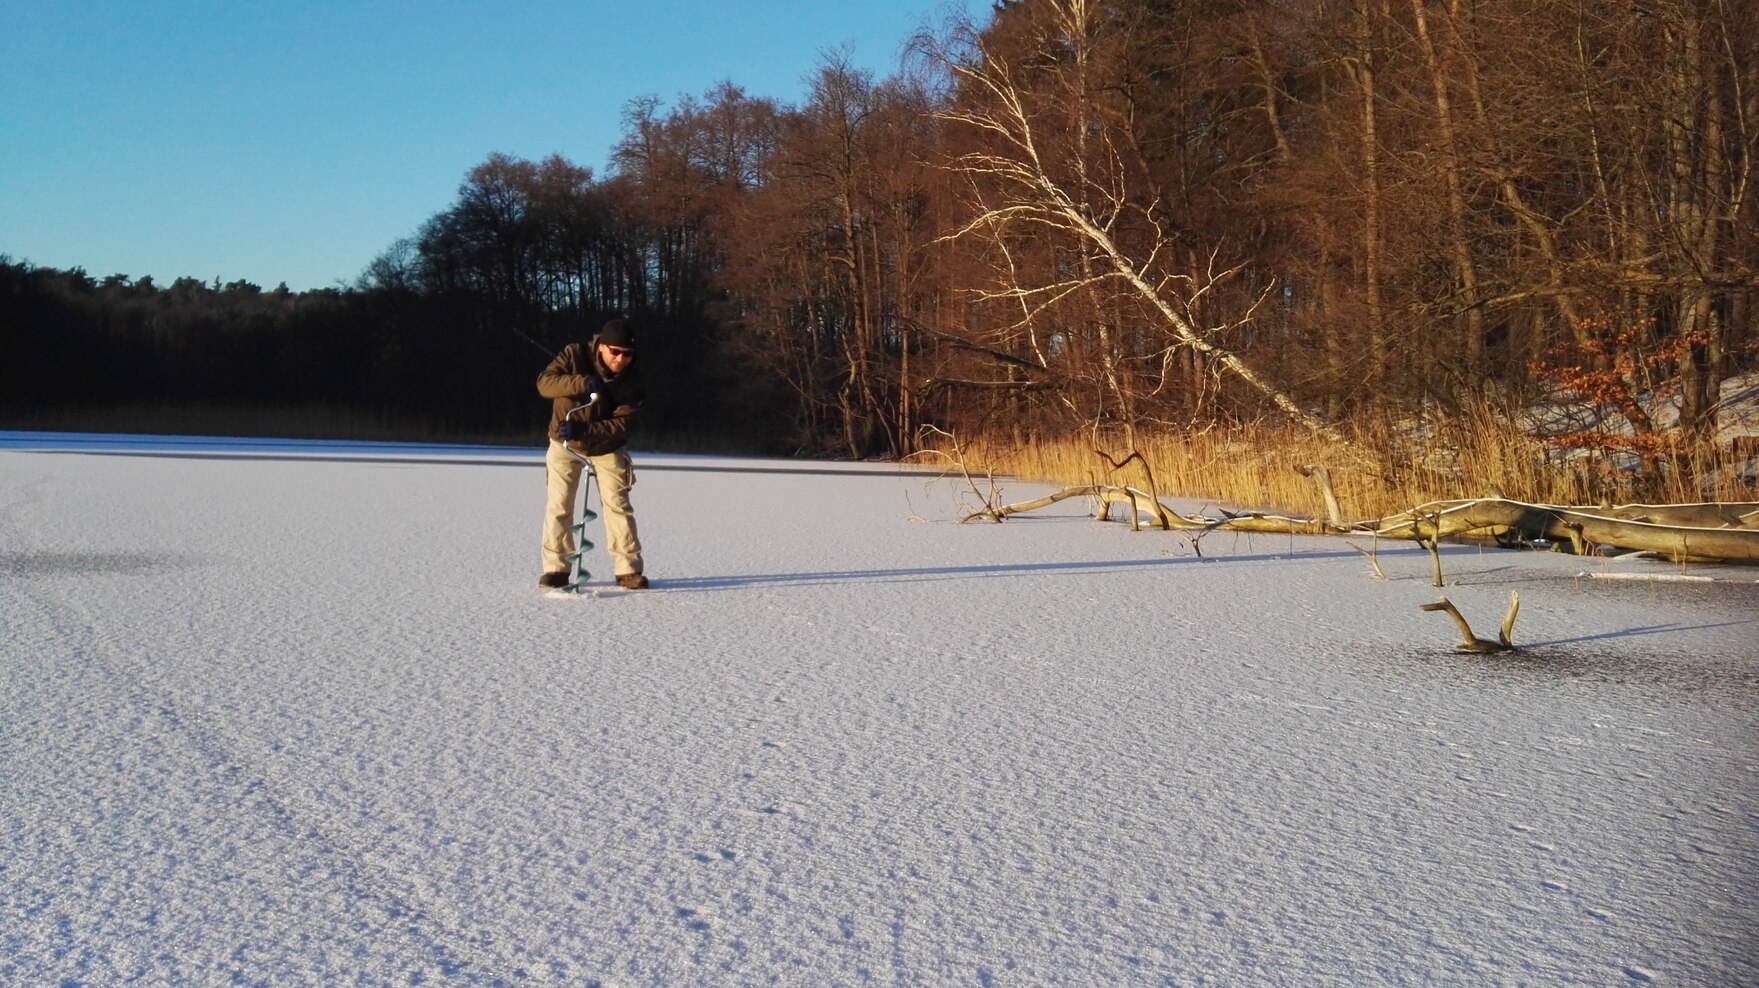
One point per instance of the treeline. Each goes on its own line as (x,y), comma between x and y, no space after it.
(1082,217)
(127,355)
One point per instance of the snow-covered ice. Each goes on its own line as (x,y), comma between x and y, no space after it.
(293,719)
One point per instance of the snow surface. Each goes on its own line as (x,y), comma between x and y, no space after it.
(274,717)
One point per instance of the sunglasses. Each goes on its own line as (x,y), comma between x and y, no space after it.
(617,351)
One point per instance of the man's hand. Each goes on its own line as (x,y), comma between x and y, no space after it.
(572,427)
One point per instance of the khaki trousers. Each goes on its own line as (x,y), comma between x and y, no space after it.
(615,475)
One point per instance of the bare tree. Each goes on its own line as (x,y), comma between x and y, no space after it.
(1055,160)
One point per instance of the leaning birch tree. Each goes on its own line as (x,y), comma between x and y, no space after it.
(1050,154)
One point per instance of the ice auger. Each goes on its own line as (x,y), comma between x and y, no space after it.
(577,574)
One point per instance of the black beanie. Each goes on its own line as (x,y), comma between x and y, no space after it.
(618,333)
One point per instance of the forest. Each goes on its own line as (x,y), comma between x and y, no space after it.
(1113,223)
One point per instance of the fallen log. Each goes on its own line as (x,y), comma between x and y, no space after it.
(1709,514)
(1164,517)
(1582,527)
(1000,512)
(1729,532)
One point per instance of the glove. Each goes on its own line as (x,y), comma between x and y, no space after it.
(571,428)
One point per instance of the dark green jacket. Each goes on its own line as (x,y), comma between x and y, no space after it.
(602,426)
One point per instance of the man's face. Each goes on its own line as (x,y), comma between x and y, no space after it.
(615,358)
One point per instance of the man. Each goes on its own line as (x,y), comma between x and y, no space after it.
(595,393)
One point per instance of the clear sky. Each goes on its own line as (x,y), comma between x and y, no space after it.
(294,141)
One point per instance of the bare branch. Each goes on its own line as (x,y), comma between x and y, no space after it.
(1472,643)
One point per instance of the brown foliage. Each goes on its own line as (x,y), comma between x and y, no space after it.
(1136,218)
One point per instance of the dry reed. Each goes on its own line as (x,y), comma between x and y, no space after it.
(1384,468)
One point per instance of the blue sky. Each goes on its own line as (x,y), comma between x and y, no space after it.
(295,141)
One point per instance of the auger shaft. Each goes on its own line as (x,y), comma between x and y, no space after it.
(577,574)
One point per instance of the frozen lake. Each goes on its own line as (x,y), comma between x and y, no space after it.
(297,714)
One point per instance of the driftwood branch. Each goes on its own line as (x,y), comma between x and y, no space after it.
(991,509)
(1472,643)
(1373,560)
(1139,500)
(1430,539)
(1322,477)
(1156,510)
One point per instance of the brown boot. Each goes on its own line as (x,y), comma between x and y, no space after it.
(632,581)
(553,581)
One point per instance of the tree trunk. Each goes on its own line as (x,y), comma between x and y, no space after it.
(1458,233)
